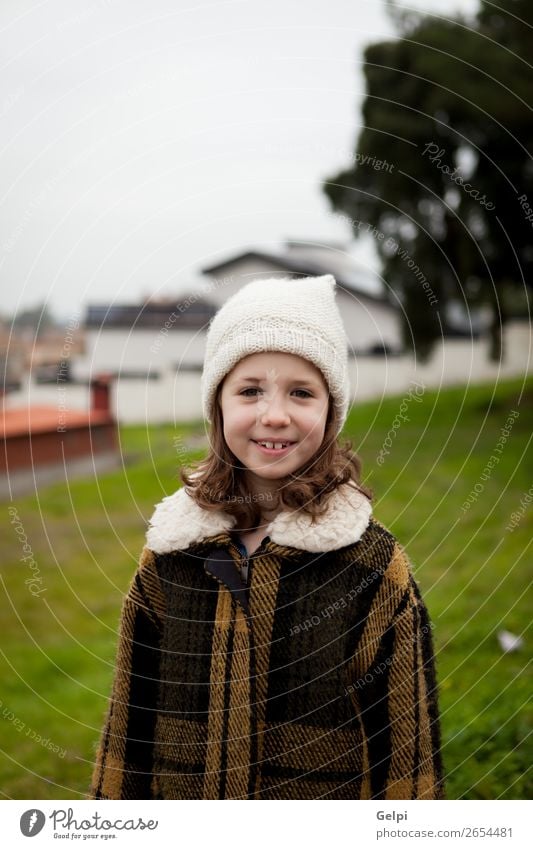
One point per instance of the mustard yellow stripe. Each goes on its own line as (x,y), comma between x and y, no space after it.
(401,710)
(426,776)
(263,593)
(239,720)
(117,727)
(151,583)
(217,686)
(113,775)
(392,587)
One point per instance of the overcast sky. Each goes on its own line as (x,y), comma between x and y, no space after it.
(144,139)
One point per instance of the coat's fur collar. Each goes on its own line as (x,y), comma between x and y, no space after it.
(178,522)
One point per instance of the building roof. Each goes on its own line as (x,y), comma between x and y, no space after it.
(172,314)
(301,258)
(39,419)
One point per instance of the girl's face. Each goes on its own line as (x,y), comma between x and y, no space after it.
(274,397)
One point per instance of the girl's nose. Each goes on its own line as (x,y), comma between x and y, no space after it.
(273,411)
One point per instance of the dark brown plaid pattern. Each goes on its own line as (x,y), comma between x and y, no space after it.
(317,682)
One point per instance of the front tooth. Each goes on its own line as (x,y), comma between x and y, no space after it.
(278,445)
(268,444)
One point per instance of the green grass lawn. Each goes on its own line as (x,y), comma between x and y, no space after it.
(58,646)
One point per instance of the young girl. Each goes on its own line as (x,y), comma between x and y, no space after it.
(273,642)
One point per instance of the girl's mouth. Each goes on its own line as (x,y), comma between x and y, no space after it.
(272,451)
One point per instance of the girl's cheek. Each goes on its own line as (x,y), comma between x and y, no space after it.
(314,418)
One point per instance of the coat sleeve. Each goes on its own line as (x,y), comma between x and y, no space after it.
(124,758)
(393,689)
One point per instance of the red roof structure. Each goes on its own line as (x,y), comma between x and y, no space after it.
(40,419)
(46,444)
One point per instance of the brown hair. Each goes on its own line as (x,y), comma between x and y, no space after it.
(217,483)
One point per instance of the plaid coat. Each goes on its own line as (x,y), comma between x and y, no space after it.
(314,680)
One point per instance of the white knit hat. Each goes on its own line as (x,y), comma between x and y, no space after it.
(297,316)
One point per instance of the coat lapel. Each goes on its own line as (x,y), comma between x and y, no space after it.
(221,566)
(179,522)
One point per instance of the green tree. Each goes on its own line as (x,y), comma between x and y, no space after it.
(443,167)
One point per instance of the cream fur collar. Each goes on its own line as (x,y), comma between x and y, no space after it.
(178,522)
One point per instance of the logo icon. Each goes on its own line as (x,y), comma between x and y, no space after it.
(31,822)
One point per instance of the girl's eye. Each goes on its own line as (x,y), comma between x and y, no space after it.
(256,389)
